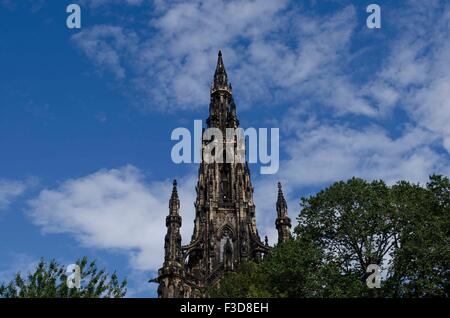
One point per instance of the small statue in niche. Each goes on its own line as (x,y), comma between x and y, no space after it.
(226,247)
(228,255)
(224,186)
(224,189)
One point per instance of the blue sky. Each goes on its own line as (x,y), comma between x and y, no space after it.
(86,115)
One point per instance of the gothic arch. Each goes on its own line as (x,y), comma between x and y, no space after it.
(226,237)
(226,229)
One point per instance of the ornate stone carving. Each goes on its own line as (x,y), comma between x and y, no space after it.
(225,226)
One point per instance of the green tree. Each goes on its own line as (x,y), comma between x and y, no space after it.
(354,224)
(405,229)
(290,270)
(247,282)
(49,280)
(421,262)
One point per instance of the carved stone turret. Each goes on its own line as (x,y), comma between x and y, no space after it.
(171,275)
(225,232)
(283,222)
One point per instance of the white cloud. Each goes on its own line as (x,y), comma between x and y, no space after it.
(278,53)
(103,43)
(114,209)
(320,153)
(416,73)
(329,153)
(274,52)
(10,190)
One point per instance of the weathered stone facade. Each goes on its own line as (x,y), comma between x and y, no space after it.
(225,230)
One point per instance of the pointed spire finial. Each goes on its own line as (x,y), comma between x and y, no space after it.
(281,201)
(172,245)
(174,188)
(174,195)
(220,68)
(220,75)
(280,191)
(283,222)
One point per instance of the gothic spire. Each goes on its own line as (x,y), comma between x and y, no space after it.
(220,68)
(222,110)
(174,195)
(172,244)
(225,232)
(174,203)
(220,75)
(283,222)
(281,201)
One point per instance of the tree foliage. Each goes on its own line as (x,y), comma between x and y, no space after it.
(49,280)
(405,229)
